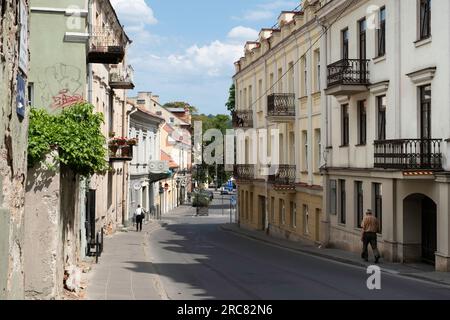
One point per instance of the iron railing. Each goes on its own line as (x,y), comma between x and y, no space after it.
(121,76)
(105,46)
(349,72)
(244,172)
(281,104)
(408,154)
(285,175)
(242,118)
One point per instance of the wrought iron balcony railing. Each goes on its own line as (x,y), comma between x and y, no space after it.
(105,46)
(409,154)
(281,105)
(243,119)
(284,176)
(121,78)
(349,72)
(244,172)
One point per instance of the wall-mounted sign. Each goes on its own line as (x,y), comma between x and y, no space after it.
(21,96)
(158,167)
(23,47)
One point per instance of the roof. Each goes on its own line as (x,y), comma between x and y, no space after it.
(167,157)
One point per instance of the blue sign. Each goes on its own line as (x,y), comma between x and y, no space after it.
(21,96)
(230,185)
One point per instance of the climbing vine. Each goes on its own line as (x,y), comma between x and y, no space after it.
(76,132)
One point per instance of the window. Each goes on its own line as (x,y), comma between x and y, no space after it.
(141,102)
(172,120)
(318,149)
(362,122)
(362,39)
(425,112)
(305,74)
(342,203)
(345,43)
(381,118)
(305,220)
(317,56)
(244,102)
(381,33)
(260,92)
(425,19)
(378,203)
(293,215)
(333,197)
(359,202)
(272,209)
(345,125)
(291,77)
(282,212)
(280,80)
(250,97)
(305,150)
(271,82)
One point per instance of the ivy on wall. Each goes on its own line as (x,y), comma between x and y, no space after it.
(76,132)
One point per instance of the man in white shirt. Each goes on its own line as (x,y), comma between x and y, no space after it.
(139,216)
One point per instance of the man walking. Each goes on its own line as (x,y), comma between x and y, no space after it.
(370,228)
(139,216)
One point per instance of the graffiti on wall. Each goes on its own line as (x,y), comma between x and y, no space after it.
(60,85)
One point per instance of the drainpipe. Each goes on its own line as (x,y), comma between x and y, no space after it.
(90,29)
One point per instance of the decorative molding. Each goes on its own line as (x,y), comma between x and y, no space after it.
(379,87)
(422,77)
(67,12)
(343,99)
(77,37)
(379,59)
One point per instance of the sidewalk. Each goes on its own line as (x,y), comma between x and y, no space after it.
(124,272)
(417,271)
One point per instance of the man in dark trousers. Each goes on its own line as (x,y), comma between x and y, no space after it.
(139,216)
(370,227)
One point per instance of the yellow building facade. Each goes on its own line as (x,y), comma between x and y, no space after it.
(279,98)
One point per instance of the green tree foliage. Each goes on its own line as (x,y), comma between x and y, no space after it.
(76,132)
(231,104)
(180,104)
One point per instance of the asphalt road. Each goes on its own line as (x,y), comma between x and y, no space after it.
(195,259)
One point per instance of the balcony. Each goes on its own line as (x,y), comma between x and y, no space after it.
(105,47)
(281,107)
(244,172)
(284,178)
(409,154)
(347,77)
(242,119)
(121,78)
(119,153)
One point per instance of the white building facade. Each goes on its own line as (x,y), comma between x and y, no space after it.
(387,125)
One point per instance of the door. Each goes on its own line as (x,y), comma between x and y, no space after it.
(425,126)
(429,230)
(262,211)
(90,216)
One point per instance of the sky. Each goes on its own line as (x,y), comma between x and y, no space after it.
(185,50)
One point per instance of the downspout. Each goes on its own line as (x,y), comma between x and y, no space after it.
(90,29)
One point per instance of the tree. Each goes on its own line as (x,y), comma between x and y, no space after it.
(180,104)
(231,104)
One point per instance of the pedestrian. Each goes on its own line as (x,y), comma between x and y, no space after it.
(370,228)
(139,216)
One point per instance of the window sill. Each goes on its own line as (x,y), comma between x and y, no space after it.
(344,146)
(379,59)
(361,145)
(422,42)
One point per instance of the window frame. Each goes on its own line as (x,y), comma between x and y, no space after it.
(378,203)
(359,197)
(381,120)
(342,202)
(344,43)
(345,125)
(333,197)
(381,33)
(424,19)
(362,122)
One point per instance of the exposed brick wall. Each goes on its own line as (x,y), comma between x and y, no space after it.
(13,165)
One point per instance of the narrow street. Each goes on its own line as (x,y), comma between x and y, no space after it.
(190,258)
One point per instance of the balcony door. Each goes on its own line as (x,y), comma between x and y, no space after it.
(425,126)
(363,47)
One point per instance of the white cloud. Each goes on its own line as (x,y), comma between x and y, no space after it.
(134,13)
(268,10)
(243,33)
